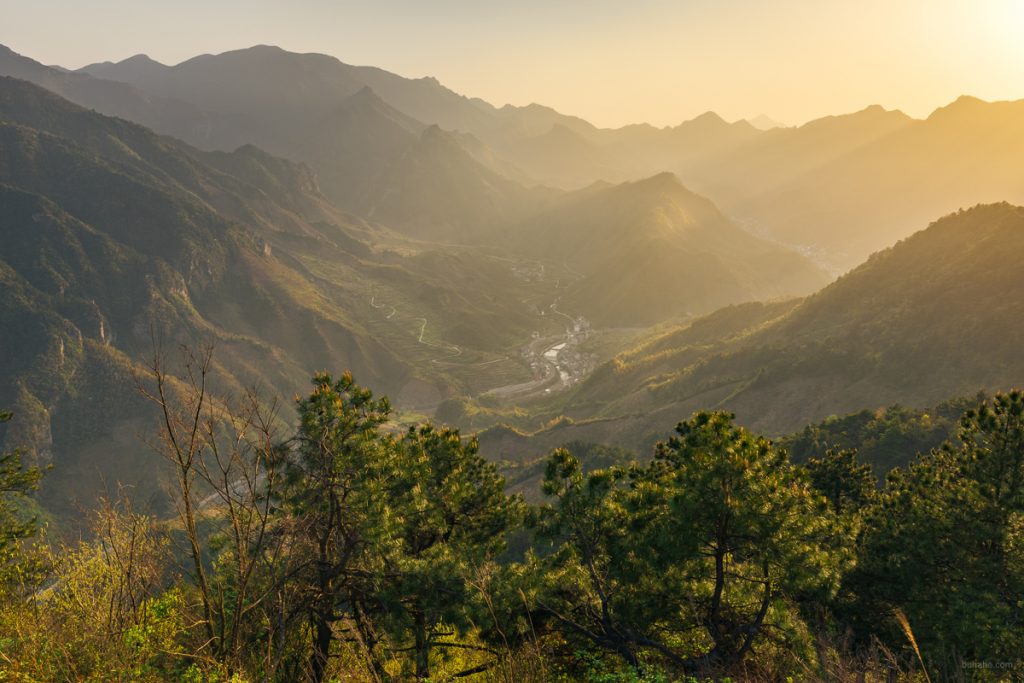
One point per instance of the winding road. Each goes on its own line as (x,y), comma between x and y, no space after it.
(455,351)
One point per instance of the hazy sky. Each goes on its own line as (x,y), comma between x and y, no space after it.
(660,61)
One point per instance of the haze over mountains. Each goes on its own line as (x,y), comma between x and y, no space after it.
(304,214)
(839,187)
(311,371)
(114,236)
(937,316)
(632,242)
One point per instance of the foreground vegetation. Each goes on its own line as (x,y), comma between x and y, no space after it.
(348,552)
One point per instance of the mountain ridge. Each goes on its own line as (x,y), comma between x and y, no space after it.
(116,237)
(653,250)
(933,317)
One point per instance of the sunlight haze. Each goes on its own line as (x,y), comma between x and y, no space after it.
(532,341)
(613,63)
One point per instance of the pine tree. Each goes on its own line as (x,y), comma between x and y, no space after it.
(453,516)
(16,524)
(337,508)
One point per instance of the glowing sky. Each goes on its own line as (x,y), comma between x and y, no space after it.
(660,61)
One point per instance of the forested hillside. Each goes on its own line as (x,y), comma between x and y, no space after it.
(934,317)
(117,240)
(839,187)
(348,549)
(717,399)
(652,250)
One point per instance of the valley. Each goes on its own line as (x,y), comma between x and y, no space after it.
(414,247)
(556,361)
(314,371)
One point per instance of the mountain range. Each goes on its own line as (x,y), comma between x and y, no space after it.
(652,250)
(934,317)
(837,188)
(115,237)
(301,214)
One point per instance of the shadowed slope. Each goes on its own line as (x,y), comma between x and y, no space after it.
(938,315)
(652,250)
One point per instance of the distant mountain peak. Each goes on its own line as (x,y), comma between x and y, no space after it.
(765,122)
(664,186)
(874,114)
(971,100)
(134,59)
(879,111)
(647,250)
(366,110)
(262,54)
(262,48)
(711,121)
(128,70)
(708,117)
(141,58)
(963,105)
(665,179)
(366,94)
